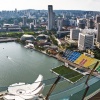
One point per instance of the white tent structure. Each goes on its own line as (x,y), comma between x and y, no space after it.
(22,91)
(30,45)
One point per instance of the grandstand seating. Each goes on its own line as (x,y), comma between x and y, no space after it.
(93,63)
(84,61)
(81,59)
(74,56)
(71,55)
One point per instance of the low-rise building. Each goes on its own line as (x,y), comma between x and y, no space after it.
(27,37)
(10,28)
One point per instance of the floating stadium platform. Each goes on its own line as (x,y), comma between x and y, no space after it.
(81,60)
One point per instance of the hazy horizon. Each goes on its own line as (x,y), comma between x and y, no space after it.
(88,5)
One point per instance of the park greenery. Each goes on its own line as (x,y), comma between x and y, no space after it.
(11,34)
(15,34)
(40,48)
(55,42)
(96,53)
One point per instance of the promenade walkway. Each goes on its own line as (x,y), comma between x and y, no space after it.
(7,39)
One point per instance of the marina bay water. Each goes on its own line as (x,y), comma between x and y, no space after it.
(18,64)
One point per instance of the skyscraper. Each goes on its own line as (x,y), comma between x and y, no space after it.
(50,17)
(59,24)
(98,32)
(74,34)
(35,22)
(81,23)
(24,21)
(98,19)
(90,23)
(53,20)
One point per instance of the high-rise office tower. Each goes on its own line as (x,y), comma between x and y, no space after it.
(90,23)
(53,20)
(98,32)
(81,23)
(15,22)
(50,17)
(98,19)
(35,22)
(32,26)
(64,15)
(74,34)
(59,24)
(24,20)
(85,41)
(15,10)
(98,27)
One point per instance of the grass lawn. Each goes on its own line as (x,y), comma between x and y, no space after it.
(68,73)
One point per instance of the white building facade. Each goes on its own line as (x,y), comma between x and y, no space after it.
(86,41)
(59,24)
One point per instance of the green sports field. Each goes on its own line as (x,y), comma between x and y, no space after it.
(67,73)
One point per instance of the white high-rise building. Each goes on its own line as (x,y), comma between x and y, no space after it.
(86,41)
(59,24)
(74,34)
(50,17)
(64,15)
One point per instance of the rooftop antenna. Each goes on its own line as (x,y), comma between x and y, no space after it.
(52,87)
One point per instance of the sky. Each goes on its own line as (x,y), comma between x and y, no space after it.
(93,5)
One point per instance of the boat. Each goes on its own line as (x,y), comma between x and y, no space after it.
(25,91)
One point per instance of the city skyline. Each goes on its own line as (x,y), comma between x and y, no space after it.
(91,5)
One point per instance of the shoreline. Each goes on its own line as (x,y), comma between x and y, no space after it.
(8,39)
(59,58)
